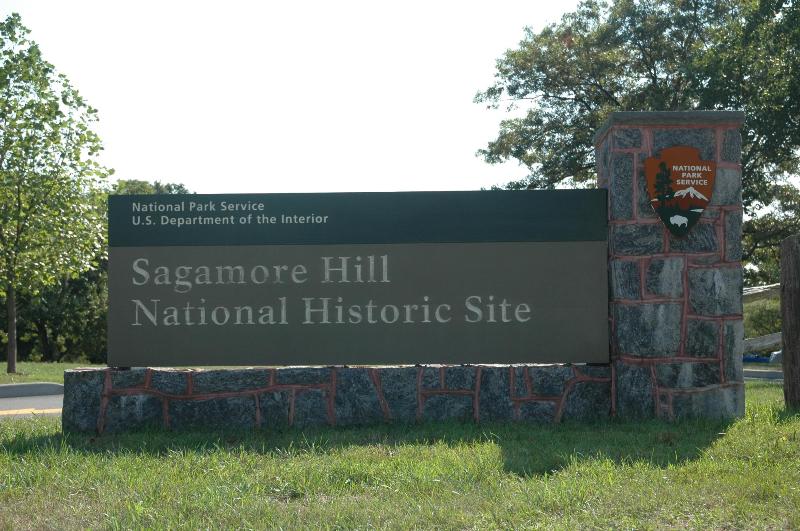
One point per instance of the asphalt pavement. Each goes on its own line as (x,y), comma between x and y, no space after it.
(25,400)
(31,405)
(763,374)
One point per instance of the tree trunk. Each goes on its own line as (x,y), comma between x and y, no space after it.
(790,317)
(11,309)
(49,350)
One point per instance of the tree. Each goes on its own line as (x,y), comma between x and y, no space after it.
(135,186)
(657,55)
(663,183)
(50,226)
(763,234)
(66,321)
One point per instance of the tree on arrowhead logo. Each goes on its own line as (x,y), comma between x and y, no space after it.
(680,186)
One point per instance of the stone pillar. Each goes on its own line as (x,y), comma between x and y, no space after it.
(675,306)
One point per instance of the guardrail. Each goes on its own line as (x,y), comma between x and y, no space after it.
(755,293)
(771,341)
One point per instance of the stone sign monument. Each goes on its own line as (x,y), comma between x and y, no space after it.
(463,293)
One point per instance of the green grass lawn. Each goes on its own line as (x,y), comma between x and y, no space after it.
(744,474)
(38,372)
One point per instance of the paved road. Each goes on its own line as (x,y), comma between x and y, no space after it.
(763,374)
(30,405)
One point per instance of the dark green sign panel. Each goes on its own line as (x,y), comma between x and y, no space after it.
(365,278)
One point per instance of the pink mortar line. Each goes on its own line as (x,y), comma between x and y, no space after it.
(559,404)
(331,400)
(634,360)
(536,398)
(577,378)
(647,140)
(528,381)
(375,376)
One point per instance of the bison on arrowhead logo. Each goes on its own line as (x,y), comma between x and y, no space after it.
(680,186)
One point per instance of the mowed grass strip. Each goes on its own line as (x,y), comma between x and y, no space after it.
(744,474)
(28,371)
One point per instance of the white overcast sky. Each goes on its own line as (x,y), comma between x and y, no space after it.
(313,96)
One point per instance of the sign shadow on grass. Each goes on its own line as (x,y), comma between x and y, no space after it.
(521,449)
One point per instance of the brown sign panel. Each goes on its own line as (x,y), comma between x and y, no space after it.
(359,304)
(367,279)
(680,186)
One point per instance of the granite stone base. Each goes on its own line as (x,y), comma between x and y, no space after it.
(112,400)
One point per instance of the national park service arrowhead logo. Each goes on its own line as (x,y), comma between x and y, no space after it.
(680,186)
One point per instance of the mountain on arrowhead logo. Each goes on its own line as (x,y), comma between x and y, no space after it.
(680,186)
(691,193)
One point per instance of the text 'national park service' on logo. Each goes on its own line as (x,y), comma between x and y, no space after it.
(680,186)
